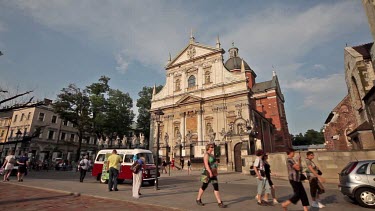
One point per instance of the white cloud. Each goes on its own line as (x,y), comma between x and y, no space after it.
(122,63)
(319,67)
(320,93)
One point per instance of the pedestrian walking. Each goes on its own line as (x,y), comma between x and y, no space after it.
(164,167)
(182,163)
(172,164)
(23,162)
(316,187)
(137,177)
(267,171)
(294,174)
(84,165)
(189,167)
(263,185)
(8,165)
(113,165)
(209,175)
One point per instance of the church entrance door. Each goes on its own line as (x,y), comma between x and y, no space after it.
(237,157)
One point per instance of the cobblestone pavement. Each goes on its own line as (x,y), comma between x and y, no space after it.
(177,191)
(16,197)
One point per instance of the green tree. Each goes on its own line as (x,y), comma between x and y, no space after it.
(144,106)
(310,137)
(73,105)
(119,115)
(97,92)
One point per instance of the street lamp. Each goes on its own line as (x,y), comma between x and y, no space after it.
(158,114)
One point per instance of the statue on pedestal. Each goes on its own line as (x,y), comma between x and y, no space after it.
(166,139)
(179,138)
(124,140)
(141,139)
(106,143)
(188,138)
(134,140)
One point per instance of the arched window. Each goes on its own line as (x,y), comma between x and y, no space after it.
(207,77)
(191,81)
(177,88)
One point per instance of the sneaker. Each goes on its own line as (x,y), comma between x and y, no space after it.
(221,205)
(275,201)
(315,204)
(321,205)
(199,202)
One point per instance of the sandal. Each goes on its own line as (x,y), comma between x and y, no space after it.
(221,205)
(199,202)
(261,203)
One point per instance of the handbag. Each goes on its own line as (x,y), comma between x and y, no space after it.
(319,172)
(135,167)
(302,177)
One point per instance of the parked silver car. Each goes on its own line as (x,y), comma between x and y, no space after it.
(357,181)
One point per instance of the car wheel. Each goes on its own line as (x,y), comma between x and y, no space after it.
(120,181)
(365,197)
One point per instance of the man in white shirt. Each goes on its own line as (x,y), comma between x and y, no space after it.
(84,165)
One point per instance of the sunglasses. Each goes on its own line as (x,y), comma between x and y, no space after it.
(212,147)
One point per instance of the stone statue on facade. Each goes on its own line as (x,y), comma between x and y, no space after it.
(166,139)
(100,141)
(106,143)
(117,141)
(134,140)
(179,138)
(188,137)
(211,135)
(124,140)
(141,139)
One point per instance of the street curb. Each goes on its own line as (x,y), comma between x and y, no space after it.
(89,195)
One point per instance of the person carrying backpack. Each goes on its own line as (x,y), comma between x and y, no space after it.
(262,183)
(83,167)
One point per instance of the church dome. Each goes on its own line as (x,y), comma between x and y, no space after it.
(234,62)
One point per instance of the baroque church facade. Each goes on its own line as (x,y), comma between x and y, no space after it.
(206,100)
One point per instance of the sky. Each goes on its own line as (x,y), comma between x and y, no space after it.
(48,44)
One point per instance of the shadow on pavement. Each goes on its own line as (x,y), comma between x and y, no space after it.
(33,199)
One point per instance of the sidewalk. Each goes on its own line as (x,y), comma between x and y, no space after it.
(179,191)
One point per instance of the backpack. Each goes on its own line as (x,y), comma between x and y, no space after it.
(252,171)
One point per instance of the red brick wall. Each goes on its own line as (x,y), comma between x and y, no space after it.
(340,125)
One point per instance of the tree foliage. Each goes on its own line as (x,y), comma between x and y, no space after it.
(310,137)
(73,105)
(144,106)
(119,116)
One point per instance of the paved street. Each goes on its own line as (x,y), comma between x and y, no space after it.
(177,191)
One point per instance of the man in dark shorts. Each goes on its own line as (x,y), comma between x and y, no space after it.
(22,166)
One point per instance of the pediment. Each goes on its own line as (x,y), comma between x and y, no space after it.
(192,51)
(188,99)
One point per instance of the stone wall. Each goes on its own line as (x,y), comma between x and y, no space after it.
(330,162)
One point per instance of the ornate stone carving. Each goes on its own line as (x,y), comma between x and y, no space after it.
(166,139)
(191,52)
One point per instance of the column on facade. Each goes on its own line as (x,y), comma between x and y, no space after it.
(200,134)
(183,128)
